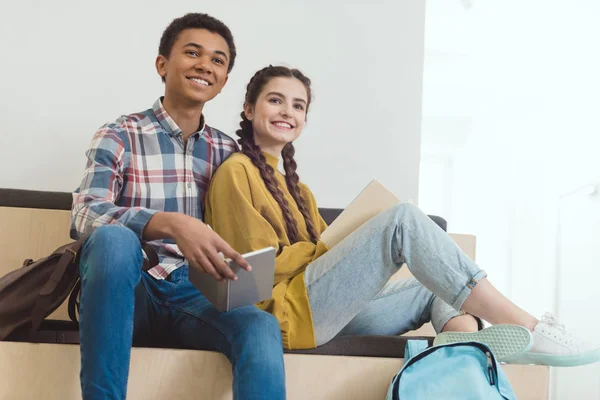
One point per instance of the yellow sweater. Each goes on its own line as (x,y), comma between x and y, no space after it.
(241,210)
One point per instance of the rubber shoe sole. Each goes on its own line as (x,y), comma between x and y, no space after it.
(555,360)
(507,342)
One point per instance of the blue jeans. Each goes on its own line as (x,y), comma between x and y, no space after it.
(349,290)
(121,305)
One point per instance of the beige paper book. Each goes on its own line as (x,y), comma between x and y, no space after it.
(372,200)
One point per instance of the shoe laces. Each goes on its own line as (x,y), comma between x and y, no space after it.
(551,321)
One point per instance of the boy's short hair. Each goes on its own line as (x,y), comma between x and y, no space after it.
(196,21)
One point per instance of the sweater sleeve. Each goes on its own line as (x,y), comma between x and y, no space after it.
(231,212)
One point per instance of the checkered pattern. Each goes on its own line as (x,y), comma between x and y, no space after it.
(137,166)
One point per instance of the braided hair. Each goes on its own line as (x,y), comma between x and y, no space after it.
(267,173)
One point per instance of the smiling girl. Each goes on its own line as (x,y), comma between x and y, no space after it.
(320,293)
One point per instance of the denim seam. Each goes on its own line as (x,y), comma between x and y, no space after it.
(457,298)
(404,288)
(232,356)
(210,323)
(172,306)
(152,296)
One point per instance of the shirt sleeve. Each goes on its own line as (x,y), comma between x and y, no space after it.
(231,213)
(101,187)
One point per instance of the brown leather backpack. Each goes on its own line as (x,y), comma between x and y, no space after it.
(31,293)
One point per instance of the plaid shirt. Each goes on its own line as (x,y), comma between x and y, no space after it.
(139,165)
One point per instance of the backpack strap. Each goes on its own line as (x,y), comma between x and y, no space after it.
(73,305)
(414,347)
(70,256)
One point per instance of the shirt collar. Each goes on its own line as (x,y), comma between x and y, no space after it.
(167,123)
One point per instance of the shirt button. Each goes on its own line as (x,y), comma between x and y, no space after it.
(189,185)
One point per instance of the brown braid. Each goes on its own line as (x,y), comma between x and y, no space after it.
(252,151)
(292,179)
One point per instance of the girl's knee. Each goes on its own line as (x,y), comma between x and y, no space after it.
(402,210)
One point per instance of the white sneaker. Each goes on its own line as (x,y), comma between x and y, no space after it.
(554,346)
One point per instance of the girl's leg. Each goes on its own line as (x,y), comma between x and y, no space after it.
(343,281)
(488,303)
(405,305)
(463,323)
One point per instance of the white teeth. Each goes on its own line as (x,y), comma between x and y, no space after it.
(283,125)
(200,81)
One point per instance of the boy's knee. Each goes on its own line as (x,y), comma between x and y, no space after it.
(112,237)
(261,325)
(111,250)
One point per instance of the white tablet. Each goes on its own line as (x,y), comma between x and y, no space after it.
(250,287)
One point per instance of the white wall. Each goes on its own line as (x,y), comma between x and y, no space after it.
(68,67)
(510,126)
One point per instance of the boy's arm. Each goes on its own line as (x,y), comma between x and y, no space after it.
(198,243)
(94,205)
(101,185)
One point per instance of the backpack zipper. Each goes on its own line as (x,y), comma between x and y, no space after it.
(491,366)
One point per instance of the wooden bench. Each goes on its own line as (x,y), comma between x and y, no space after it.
(349,368)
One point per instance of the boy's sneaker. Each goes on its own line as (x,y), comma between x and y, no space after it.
(554,346)
(507,342)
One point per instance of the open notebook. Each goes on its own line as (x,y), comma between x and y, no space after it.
(372,200)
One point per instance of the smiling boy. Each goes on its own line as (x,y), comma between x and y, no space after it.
(146,178)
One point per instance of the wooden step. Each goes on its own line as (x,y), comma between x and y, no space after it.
(51,372)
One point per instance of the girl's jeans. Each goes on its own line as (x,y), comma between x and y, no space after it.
(348,286)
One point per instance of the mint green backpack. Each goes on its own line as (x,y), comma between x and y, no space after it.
(456,371)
